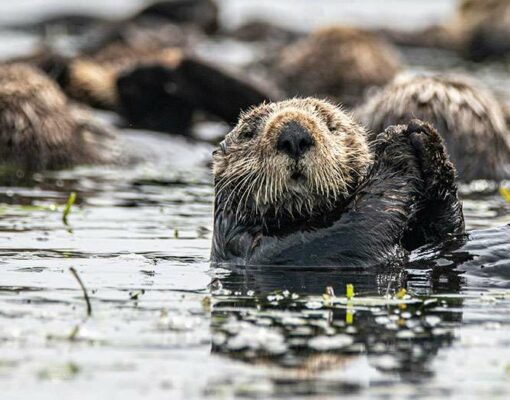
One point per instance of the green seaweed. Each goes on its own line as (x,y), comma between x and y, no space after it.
(67,209)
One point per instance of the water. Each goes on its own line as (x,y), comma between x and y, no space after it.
(165,324)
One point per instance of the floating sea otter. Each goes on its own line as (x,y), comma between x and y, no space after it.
(469,118)
(91,79)
(296,183)
(166,98)
(479,30)
(153,89)
(39,129)
(339,63)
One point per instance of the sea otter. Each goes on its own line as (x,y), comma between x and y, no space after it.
(339,63)
(39,129)
(479,30)
(296,183)
(155,89)
(91,79)
(166,98)
(470,119)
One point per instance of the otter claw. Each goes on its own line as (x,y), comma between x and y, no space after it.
(437,170)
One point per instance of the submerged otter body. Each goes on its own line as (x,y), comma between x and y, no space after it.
(339,63)
(469,118)
(296,184)
(38,128)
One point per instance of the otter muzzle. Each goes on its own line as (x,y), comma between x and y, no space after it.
(294,140)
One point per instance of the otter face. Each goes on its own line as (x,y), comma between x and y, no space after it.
(296,157)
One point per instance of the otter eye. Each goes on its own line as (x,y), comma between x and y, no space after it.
(333,127)
(246,132)
(331,124)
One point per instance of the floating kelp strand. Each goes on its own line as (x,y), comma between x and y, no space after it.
(67,209)
(84,290)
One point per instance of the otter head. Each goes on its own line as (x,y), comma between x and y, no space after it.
(295,158)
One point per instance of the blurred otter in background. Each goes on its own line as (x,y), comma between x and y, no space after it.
(108,47)
(92,79)
(202,14)
(141,67)
(339,63)
(153,89)
(479,30)
(166,98)
(469,118)
(39,129)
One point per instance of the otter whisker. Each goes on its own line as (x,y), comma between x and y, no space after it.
(233,192)
(247,193)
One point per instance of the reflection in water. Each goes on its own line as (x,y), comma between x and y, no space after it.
(290,319)
(481,256)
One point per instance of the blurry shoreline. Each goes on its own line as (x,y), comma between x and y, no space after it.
(303,14)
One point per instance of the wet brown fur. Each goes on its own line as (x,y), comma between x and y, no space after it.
(470,119)
(260,178)
(337,62)
(38,128)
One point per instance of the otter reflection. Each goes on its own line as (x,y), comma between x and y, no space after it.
(278,317)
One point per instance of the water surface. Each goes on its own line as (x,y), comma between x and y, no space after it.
(166,324)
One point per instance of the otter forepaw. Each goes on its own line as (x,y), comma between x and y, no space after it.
(437,170)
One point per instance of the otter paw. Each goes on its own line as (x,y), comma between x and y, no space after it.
(437,170)
(387,140)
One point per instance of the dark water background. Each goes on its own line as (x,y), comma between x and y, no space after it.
(166,325)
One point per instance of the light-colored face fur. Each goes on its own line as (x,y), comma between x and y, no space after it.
(257,179)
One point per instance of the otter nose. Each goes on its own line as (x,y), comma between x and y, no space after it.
(294,140)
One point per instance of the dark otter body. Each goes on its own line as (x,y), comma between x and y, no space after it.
(407,198)
(163,98)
